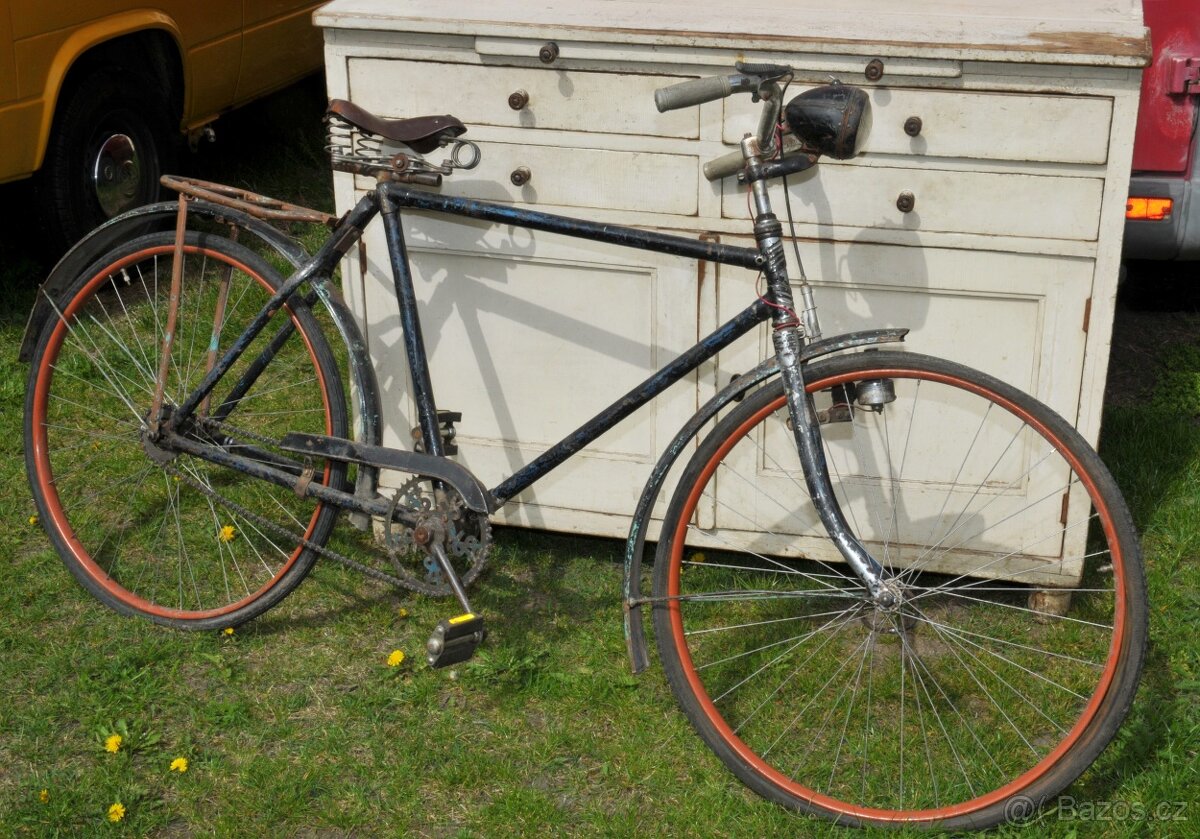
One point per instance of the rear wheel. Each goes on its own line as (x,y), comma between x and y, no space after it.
(148,530)
(978,696)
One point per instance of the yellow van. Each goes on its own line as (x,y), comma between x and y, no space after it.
(96,94)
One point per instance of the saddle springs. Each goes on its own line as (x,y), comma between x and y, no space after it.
(354,148)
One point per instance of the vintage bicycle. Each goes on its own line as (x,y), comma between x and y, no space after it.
(852,586)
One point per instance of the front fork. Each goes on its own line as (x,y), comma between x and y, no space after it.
(789,329)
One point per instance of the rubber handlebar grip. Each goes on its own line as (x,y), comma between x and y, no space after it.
(724,166)
(694,92)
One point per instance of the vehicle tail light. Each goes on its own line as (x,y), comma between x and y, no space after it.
(1149,209)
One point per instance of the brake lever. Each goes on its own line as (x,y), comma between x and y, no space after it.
(766,72)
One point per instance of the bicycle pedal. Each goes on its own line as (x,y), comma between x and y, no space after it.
(454,640)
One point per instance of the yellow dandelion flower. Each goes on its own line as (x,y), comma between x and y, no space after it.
(698,557)
(33,519)
(113,743)
(44,796)
(227,630)
(179,765)
(396,658)
(227,533)
(403,612)
(116,812)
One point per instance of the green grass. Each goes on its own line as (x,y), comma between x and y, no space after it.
(295,725)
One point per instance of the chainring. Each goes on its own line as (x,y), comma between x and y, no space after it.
(468,538)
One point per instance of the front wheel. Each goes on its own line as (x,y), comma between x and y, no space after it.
(988,688)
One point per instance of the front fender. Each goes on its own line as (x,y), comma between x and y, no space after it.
(635,545)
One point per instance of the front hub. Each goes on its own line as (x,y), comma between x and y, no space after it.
(886,617)
(888,596)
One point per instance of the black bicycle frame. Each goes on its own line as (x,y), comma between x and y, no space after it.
(388,199)
(392,198)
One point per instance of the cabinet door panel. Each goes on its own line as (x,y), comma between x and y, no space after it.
(1025,335)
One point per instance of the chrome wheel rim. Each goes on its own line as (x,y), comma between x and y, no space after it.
(116,174)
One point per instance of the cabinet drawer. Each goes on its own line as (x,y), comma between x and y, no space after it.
(566,100)
(998,204)
(571,177)
(985,126)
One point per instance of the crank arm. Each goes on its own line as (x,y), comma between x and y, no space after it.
(443,561)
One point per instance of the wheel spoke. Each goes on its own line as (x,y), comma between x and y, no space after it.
(202,545)
(919,708)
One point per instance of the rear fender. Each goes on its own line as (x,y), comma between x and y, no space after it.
(126,226)
(93,247)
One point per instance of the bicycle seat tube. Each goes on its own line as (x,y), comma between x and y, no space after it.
(788,337)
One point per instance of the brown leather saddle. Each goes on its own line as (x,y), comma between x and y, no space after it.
(422,134)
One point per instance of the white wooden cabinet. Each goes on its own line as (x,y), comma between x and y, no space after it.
(1007,262)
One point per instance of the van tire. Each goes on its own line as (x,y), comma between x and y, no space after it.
(81,183)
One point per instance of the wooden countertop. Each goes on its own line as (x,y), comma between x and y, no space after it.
(1085,32)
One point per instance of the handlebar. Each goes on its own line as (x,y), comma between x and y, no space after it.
(760,79)
(698,91)
(732,163)
(749,77)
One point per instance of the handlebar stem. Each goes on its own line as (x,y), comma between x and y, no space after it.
(768,119)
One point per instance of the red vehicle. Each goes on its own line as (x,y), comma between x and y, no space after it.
(1163,213)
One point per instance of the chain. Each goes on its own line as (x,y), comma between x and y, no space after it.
(279,530)
(475,549)
(209,424)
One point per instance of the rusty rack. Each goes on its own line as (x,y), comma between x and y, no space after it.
(259,206)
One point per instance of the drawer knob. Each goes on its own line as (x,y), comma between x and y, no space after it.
(520,176)
(912,126)
(874,71)
(906,201)
(518,99)
(548,53)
